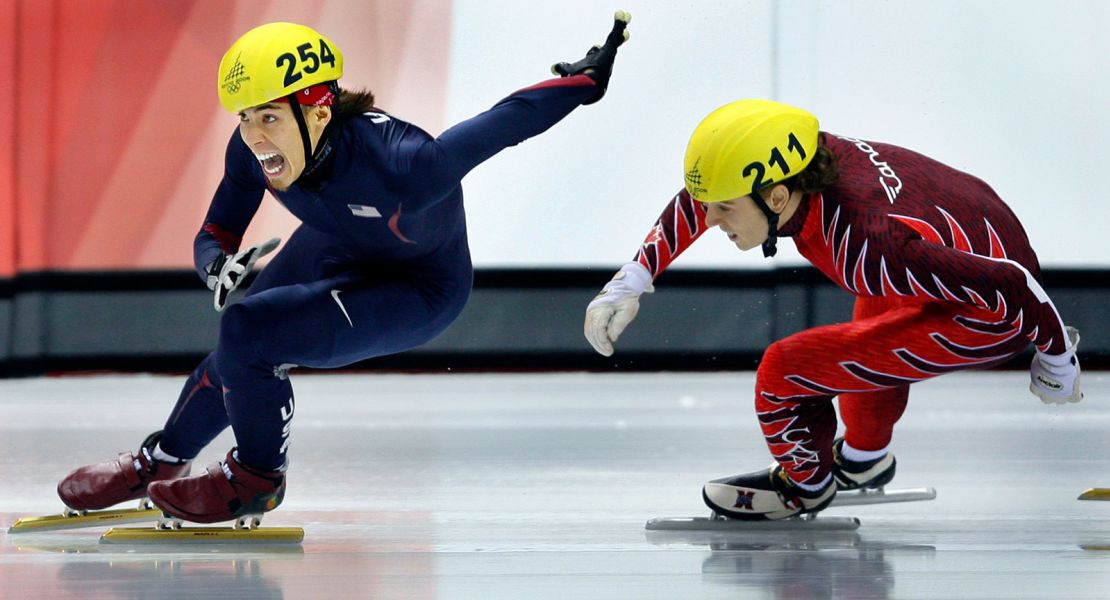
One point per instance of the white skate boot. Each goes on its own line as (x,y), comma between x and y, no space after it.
(764,495)
(853,475)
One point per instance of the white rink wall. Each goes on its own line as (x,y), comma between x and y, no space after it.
(1011,91)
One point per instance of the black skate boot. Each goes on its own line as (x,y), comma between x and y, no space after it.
(765,495)
(105,484)
(225,491)
(852,475)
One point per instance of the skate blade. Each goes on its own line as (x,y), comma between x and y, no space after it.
(737,525)
(92,519)
(203,535)
(1096,494)
(882,496)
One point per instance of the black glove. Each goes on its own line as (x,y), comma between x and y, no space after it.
(598,64)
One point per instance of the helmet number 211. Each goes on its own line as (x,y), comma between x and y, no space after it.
(309,61)
(759,169)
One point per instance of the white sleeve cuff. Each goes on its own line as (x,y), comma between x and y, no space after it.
(635,276)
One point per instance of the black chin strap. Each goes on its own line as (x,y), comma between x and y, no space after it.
(298,116)
(769,248)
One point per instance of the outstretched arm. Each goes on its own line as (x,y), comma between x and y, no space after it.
(1006,288)
(598,64)
(441,163)
(611,311)
(682,222)
(1000,285)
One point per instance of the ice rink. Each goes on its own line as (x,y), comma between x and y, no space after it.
(537,486)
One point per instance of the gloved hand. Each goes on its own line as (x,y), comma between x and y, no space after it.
(615,306)
(598,64)
(227,272)
(1055,378)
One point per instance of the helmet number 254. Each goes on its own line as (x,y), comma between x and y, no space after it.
(309,61)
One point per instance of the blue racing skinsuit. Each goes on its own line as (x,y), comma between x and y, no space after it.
(379,265)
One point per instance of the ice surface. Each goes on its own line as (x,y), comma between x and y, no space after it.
(538,486)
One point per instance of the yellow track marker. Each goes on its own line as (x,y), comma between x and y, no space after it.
(1096,494)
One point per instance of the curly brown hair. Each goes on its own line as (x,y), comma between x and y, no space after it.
(820,173)
(354,102)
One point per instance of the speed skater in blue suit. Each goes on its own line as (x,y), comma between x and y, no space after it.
(378,265)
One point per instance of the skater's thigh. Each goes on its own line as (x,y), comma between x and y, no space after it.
(343,319)
(883,400)
(896,347)
(308,255)
(866,307)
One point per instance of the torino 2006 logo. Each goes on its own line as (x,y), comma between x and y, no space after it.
(233,81)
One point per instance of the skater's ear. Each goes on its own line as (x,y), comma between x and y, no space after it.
(777,196)
(317,116)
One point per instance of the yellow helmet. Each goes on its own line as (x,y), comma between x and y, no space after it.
(273,61)
(746,145)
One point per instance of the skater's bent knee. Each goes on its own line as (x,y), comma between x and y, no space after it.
(237,330)
(772,361)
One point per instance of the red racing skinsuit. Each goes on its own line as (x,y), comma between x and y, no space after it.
(944,280)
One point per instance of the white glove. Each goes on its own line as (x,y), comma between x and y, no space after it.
(1055,378)
(615,306)
(227,272)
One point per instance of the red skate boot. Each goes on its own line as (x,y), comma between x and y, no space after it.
(226,491)
(105,484)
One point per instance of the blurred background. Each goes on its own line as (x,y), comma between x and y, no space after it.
(114,140)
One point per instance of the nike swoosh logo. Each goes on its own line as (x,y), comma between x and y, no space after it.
(335,296)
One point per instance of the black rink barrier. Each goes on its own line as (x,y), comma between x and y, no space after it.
(517,319)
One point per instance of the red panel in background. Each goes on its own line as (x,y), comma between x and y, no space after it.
(119,133)
(105,80)
(7,140)
(33,124)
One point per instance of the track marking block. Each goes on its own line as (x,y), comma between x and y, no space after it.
(1096,494)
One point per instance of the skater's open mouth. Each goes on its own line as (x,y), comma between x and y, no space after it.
(272,162)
